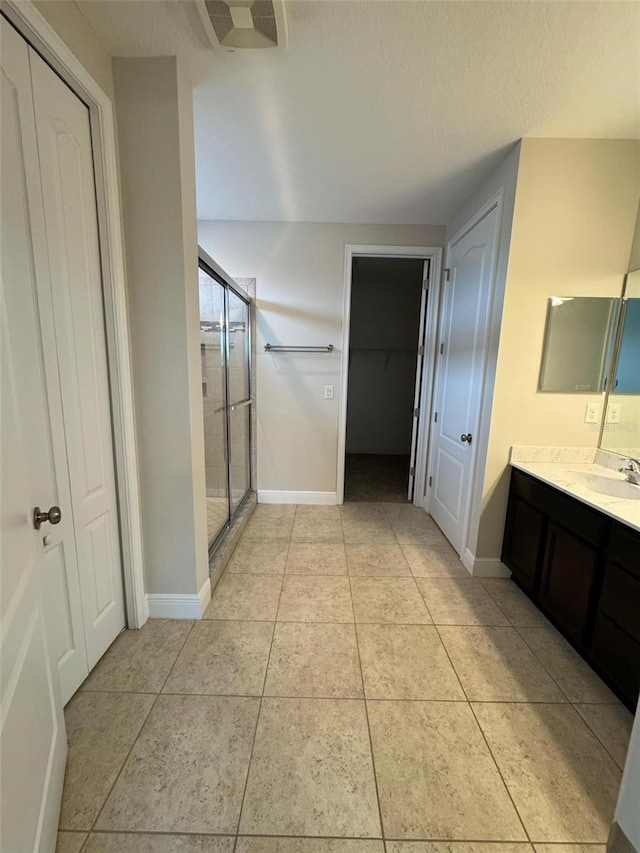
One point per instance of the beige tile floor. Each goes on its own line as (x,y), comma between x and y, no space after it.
(350,690)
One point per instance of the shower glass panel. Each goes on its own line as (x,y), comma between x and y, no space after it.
(212,349)
(225,342)
(239,397)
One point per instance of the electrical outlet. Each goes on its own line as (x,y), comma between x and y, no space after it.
(592,413)
(328,392)
(613,413)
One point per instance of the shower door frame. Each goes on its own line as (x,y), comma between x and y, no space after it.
(208,265)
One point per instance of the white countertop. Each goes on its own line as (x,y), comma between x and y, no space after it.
(582,480)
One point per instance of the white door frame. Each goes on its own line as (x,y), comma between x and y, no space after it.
(37,31)
(487,380)
(434,255)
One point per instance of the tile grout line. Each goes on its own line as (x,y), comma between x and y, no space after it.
(518,630)
(593,731)
(135,740)
(264,683)
(539,659)
(436,840)
(366,709)
(506,787)
(351,698)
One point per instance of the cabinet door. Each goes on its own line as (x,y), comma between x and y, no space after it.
(618,656)
(570,571)
(523,541)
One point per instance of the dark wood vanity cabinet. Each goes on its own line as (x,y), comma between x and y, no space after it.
(570,574)
(582,569)
(524,537)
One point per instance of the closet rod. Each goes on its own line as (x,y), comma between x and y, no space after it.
(278,348)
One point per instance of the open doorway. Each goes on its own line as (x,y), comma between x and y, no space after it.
(388,306)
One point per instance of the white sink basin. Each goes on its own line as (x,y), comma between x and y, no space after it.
(613,486)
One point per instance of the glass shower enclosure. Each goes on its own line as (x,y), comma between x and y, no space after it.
(225,346)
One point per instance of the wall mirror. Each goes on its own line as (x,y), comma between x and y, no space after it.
(621,426)
(579,343)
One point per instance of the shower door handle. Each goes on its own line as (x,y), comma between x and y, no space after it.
(240,404)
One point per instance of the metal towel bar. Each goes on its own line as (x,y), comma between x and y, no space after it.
(278,348)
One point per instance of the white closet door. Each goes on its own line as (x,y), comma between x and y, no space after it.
(32,739)
(464,324)
(77,320)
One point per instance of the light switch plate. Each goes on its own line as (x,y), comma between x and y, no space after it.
(328,392)
(592,413)
(613,413)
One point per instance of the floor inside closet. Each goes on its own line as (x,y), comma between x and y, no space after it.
(376,478)
(349,681)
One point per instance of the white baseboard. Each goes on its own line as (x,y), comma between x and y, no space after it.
(179,606)
(320,498)
(484,567)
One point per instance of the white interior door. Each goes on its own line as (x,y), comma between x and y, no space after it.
(463,337)
(74,318)
(418,385)
(32,734)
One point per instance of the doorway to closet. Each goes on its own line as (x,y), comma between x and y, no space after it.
(388,307)
(225,349)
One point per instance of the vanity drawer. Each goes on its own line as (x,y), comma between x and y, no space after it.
(620,599)
(529,489)
(624,549)
(581,520)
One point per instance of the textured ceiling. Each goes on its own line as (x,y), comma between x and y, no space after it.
(386,111)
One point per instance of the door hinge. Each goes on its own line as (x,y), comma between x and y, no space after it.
(416,413)
(420,350)
(430,480)
(435,418)
(441,349)
(447,273)
(412,471)
(425,284)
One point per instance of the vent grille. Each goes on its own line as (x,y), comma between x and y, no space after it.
(243,23)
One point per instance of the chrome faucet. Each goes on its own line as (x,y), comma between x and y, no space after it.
(631,471)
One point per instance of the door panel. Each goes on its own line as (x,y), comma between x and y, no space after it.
(24,257)
(77,322)
(463,329)
(32,734)
(418,384)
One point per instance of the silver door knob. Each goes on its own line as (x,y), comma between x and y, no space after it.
(53,516)
(466,437)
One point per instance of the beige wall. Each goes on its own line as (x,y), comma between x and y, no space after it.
(634,260)
(72,27)
(299,271)
(155,125)
(575,212)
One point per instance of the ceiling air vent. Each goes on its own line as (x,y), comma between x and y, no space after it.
(244,23)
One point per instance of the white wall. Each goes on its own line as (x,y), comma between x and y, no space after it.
(385,318)
(155,127)
(72,27)
(628,808)
(299,271)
